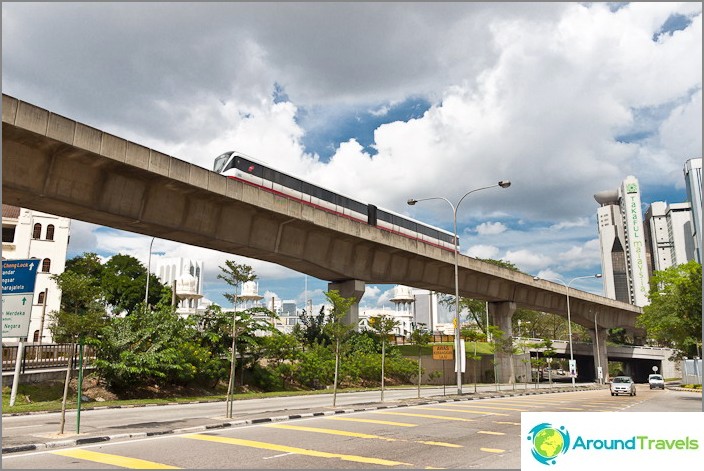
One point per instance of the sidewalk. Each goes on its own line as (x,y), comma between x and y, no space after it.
(23,439)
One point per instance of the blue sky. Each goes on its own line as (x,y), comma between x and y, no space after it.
(386,101)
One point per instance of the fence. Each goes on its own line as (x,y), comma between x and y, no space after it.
(692,371)
(45,356)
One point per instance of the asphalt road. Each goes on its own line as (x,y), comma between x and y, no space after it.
(463,434)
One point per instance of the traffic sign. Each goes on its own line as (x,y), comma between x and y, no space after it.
(18,280)
(443,352)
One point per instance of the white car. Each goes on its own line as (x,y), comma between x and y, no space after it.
(623,385)
(656,381)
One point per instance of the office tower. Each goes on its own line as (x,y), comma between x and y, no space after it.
(669,234)
(693,182)
(624,258)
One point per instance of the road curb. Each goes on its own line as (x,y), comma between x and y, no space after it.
(243,422)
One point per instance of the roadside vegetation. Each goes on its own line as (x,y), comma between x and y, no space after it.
(147,353)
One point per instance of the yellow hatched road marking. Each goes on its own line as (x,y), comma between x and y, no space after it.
(330,431)
(461,410)
(425,416)
(507,423)
(298,451)
(490,433)
(492,450)
(357,434)
(484,407)
(372,421)
(115,460)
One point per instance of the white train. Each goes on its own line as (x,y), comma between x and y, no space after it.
(246,169)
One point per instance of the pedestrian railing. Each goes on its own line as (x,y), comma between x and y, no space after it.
(45,356)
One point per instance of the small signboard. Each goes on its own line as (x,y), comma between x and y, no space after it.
(443,352)
(18,278)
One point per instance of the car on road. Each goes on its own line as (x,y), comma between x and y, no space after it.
(656,381)
(623,385)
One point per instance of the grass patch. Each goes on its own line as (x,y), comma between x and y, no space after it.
(48,398)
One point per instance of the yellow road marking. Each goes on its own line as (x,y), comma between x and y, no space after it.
(492,450)
(299,451)
(115,460)
(356,434)
(330,431)
(569,408)
(507,423)
(372,421)
(463,411)
(425,416)
(490,433)
(449,445)
(485,407)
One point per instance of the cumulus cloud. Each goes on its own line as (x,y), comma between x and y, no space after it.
(491,228)
(563,99)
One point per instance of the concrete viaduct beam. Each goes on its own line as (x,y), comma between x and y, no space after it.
(54,164)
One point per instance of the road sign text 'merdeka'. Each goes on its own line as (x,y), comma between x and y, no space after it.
(18,280)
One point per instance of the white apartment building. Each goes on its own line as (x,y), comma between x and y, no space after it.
(693,182)
(669,233)
(624,257)
(33,234)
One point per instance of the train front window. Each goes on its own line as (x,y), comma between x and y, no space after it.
(220,162)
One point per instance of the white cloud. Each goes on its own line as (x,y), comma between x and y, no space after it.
(537,93)
(483,251)
(491,228)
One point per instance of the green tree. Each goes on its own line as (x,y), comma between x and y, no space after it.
(311,330)
(337,329)
(234,275)
(81,316)
(383,325)
(474,335)
(420,337)
(151,347)
(674,315)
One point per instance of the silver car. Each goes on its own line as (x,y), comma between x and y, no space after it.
(623,385)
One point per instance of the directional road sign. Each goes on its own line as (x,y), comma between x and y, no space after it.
(18,278)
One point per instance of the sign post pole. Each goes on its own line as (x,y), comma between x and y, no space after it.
(18,279)
(18,368)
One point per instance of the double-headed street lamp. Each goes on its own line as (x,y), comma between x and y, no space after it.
(569,318)
(458,340)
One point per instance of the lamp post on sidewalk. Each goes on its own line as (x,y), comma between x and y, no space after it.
(458,340)
(569,318)
(149,269)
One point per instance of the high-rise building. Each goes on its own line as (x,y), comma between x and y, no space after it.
(669,234)
(693,182)
(32,234)
(624,258)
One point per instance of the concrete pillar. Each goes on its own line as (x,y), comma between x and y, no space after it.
(503,313)
(600,354)
(350,289)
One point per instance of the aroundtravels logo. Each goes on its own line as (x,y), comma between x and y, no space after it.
(548,442)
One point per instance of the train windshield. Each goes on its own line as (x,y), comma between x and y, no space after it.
(220,162)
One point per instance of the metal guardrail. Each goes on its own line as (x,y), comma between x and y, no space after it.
(45,356)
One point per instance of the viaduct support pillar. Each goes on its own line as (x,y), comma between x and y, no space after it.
(503,313)
(600,354)
(350,289)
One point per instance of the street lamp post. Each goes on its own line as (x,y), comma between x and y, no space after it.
(458,340)
(149,269)
(569,317)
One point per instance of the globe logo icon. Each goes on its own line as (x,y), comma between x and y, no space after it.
(548,442)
